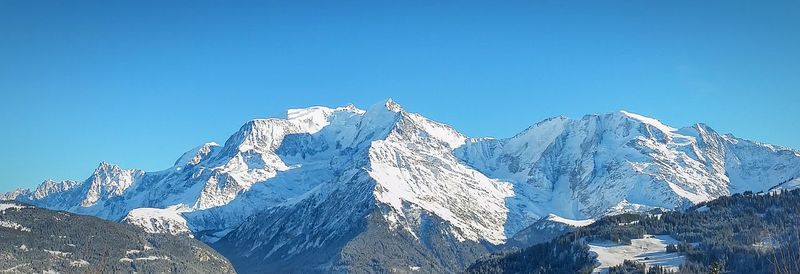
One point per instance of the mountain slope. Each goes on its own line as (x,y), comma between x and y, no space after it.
(617,162)
(37,240)
(390,180)
(313,185)
(743,233)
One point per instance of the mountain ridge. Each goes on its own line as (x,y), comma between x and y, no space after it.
(402,171)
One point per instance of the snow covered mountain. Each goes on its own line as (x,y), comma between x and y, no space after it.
(616,162)
(385,189)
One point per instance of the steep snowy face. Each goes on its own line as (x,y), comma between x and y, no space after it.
(385,171)
(324,194)
(109,181)
(745,165)
(205,177)
(409,162)
(753,166)
(196,155)
(246,158)
(416,173)
(315,165)
(617,162)
(249,156)
(505,158)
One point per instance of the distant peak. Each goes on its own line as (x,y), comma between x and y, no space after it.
(549,123)
(109,168)
(699,128)
(210,144)
(351,108)
(51,181)
(106,165)
(197,154)
(50,186)
(552,119)
(703,127)
(393,106)
(647,120)
(632,115)
(302,113)
(318,112)
(388,107)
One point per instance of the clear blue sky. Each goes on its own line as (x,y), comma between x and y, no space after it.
(139,82)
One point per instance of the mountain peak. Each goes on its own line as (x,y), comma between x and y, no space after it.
(647,120)
(393,106)
(13,195)
(313,119)
(197,154)
(105,166)
(109,180)
(352,108)
(50,186)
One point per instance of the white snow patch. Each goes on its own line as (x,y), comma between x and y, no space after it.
(651,250)
(57,253)
(132,252)
(152,258)
(693,197)
(440,131)
(650,121)
(5,206)
(310,119)
(160,220)
(313,119)
(79,263)
(575,223)
(148,258)
(13,225)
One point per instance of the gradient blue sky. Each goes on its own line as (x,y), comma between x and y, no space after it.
(137,83)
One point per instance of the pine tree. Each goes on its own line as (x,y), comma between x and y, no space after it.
(715,268)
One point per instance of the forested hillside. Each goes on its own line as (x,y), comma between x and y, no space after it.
(35,240)
(744,233)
